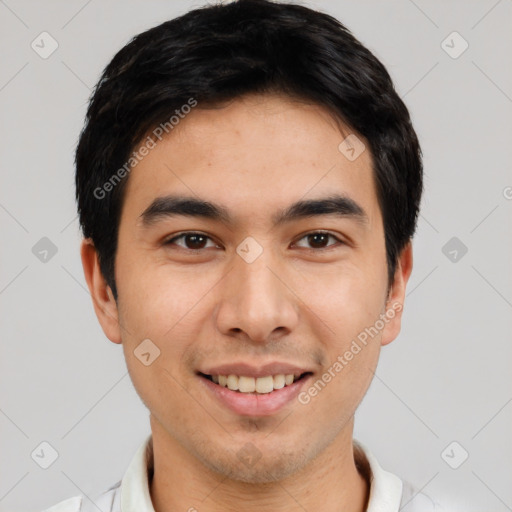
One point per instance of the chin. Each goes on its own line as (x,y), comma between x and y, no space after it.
(246,465)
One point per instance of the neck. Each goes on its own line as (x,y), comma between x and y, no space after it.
(332,482)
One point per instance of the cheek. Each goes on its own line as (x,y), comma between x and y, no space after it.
(344,308)
(162,314)
(346,301)
(158,301)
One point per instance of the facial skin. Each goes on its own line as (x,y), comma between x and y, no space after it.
(301,301)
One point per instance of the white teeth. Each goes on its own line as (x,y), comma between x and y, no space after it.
(265,384)
(232,382)
(245,384)
(279,381)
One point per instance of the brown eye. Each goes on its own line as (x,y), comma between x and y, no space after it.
(319,239)
(192,241)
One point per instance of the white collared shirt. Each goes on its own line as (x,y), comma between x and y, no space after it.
(388,493)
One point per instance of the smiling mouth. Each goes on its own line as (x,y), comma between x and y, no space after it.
(255,386)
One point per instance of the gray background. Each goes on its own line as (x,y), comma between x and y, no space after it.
(446,378)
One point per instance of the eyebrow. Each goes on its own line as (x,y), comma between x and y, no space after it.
(175,205)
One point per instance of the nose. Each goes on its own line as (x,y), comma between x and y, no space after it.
(257,302)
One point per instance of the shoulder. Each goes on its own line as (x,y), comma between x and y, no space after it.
(73,504)
(107,501)
(414,500)
(387,490)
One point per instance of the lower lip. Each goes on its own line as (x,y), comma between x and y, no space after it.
(263,404)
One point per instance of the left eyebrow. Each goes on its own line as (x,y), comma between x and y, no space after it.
(337,205)
(175,205)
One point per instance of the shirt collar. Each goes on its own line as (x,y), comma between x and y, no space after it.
(135,496)
(385,487)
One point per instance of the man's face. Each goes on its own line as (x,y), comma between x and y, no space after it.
(252,292)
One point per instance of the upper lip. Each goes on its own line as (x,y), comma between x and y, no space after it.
(247,370)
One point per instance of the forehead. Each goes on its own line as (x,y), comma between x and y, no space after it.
(255,154)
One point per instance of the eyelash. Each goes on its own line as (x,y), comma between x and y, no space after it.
(187,233)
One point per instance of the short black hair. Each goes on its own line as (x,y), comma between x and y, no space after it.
(220,52)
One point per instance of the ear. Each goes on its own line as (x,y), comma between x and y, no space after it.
(396,296)
(103,300)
